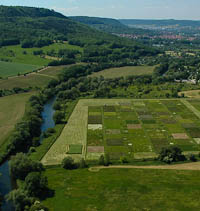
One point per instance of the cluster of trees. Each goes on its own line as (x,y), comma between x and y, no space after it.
(33,184)
(15,90)
(38,43)
(26,132)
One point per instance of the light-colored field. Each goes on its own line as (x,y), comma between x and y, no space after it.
(12,109)
(191,93)
(11,69)
(75,132)
(124,71)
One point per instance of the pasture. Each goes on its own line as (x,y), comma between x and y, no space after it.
(123,189)
(131,128)
(12,109)
(124,71)
(8,69)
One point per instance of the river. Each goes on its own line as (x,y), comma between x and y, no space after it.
(5,180)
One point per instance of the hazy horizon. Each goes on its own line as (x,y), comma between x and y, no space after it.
(128,9)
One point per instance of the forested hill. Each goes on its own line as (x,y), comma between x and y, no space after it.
(107,24)
(26,23)
(12,11)
(182,23)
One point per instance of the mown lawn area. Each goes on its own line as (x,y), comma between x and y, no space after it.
(123,189)
(124,71)
(11,69)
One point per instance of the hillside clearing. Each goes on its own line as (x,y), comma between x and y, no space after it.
(124,71)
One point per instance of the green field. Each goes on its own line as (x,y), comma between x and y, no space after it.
(11,69)
(25,55)
(12,109)
(124,71)
(123,189)
(132,128)
(39,79)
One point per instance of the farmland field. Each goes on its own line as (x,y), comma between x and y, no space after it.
(12,109)
(11,69)
(131,128)
(123,189)
(124,71)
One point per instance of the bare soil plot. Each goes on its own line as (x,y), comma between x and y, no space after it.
(180,136)
(113,131)
(134,126)
(96,149)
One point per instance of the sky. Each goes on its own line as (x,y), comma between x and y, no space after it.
(129,9)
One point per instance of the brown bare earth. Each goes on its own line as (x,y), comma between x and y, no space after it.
(180,136)
(195,166)
(96,149)
(134,126)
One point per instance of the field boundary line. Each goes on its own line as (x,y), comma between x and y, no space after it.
(191,107)
(185,166)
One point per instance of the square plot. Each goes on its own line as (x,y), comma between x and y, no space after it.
(134,126)
(197,140)
(168,121)
(146,117)
(110,113)
(194,132)
(180,136)
(74,149)
(188,125)
(95,119)
(95,149)
(115,142)
(148,121)
(132,122)
(139,104)
(94,108)
(95,126)
(94,113)
(158,144)
(109,109)
(112,131)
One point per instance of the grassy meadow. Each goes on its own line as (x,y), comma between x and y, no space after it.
(124,71)
(12,109)
(123,189)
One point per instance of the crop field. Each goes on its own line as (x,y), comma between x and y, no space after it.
(131,128)
(191,93)
(11,69)
(25,55)
(11,111)
(123,189)
(124,71)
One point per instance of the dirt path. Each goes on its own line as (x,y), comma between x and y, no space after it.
(191,107)
(186,166)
